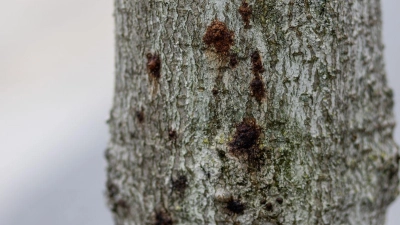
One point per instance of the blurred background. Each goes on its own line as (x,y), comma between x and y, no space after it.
(56,86)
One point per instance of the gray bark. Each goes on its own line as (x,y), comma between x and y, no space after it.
(195,144)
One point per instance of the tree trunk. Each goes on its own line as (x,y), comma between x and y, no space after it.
(257,112)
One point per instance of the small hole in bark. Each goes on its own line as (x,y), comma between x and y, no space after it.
(172,135)
(245,12)
(140,116)
(269,207)
(257,63)
(279,200)
(163,218)
(221,154)
(235,206)
(215,91)
(257,88)
(154,65)
(219,36)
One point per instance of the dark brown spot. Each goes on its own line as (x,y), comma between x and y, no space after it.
(163,218)
(262,202)
(269,206)
(257,63)
(112,189)
(235,206)
(121,206)
(233,60)
(279,200)
(246,136)
(180,184)
(219,36)
(172,134)
(221,154)
(140,116)
(154,65)
(245,12)
(215,91)
(257,88)
(245,142)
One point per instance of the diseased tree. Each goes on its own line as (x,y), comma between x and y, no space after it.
(253,112)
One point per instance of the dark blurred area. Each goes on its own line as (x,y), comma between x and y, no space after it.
(56,86)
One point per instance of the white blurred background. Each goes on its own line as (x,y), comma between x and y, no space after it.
(56,85)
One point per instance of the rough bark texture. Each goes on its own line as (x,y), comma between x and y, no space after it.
(292,125)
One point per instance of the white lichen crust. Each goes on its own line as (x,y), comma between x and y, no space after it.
(326,146)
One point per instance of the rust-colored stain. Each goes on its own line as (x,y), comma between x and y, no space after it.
(257,65)
(257,88)
(219,36)
(154,65)
(245,143)
(246,135)
(233,61)
(245,11)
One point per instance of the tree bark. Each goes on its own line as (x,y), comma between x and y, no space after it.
(257,112)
